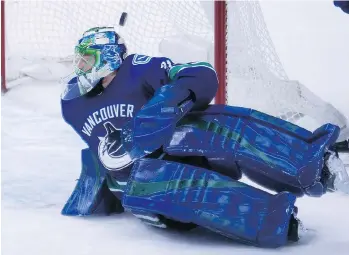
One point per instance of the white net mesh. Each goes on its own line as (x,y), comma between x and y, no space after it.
(50,29)
(257,79)
(41,31)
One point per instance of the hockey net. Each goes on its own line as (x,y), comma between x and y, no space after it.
(40,38)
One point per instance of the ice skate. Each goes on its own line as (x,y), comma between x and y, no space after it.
(336,173)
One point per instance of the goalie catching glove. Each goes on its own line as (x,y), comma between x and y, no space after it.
(155,123)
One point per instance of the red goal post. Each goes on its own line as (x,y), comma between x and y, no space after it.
(220,53)
(3,56)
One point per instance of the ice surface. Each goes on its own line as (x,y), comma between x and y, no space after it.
(41,161)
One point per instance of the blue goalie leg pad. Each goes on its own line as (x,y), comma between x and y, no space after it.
(190,194)
(272,152)
(91,194)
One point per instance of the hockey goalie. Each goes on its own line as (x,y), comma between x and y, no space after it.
(157,149)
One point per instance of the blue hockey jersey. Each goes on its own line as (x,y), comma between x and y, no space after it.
(97,118)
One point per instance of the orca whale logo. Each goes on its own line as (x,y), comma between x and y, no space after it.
(110,150)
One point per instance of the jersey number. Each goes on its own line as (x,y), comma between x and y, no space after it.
(166,64)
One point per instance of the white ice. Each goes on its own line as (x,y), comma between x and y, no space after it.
(41,161)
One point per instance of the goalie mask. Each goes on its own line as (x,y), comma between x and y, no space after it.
(98,53)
